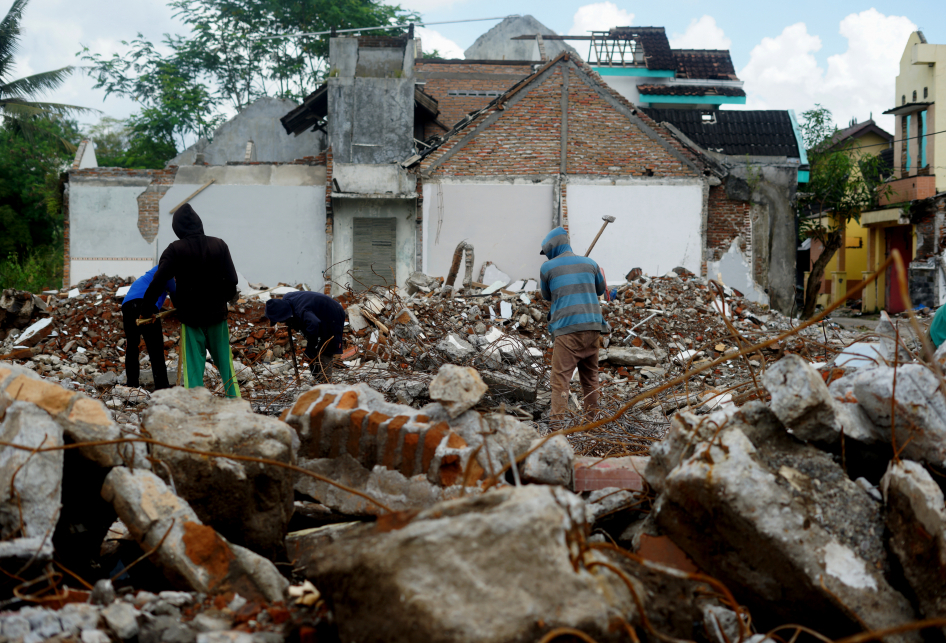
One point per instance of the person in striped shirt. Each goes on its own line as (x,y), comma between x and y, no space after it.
(573,284)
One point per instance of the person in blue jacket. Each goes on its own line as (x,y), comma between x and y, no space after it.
(133,307)
(321,320)
(573,284)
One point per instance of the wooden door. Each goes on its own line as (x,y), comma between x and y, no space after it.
(899,238)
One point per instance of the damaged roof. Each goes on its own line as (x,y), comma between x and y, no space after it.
(735,132)
(689,90)
(498,105)
(712,64)
(657,52)
(314,108)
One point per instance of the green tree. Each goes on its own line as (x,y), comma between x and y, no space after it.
(31,202)
(144,141)
(20,110)
(842,184)
(236,52)
(175,101)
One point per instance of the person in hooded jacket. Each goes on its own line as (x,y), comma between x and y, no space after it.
(321,320)
(206,280)
(573,284)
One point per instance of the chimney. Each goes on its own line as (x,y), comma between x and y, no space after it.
(371,99)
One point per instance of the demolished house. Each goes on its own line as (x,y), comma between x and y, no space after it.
(457,157)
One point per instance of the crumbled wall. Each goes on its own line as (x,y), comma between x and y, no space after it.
(727,220)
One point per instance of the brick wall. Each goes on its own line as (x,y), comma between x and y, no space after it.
(526,138)
(329,220)
(725,220)
(149,202)
(453,107)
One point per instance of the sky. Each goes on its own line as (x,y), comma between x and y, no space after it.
(791,55)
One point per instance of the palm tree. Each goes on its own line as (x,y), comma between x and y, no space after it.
(18,107)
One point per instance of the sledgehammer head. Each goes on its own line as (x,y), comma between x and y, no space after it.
(608,218)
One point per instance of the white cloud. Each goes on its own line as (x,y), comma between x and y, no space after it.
(702,33)
(783,72)
(431,39)
(54,30)
(599,16)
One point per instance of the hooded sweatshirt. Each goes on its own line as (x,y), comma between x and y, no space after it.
(202,268)
(573,284)
(318,316)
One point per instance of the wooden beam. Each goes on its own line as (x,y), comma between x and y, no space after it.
(199,190)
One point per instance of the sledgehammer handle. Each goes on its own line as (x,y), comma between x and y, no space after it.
(596,238)
(153,318)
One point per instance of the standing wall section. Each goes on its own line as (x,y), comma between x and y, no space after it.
(111,221)
(564,127)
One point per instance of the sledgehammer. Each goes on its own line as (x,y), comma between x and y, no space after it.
(607,219)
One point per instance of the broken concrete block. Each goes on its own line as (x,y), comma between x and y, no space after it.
(193,556)
(629,356)
(516,389)
(351,432)
(503,347)
(356,320)
(920,415)
(552,463)
(888,339)
(82,419)
(940,355)
(30,483)
(249,503)
(457,388)
(792,533)
(455,348)
(802,401)
(419,282)
(916,519)
(515,541)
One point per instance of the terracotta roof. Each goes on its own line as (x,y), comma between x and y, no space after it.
(734,132)
(689,90)
(466,124)
(713,64)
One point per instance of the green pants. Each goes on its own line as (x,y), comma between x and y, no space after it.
(195,342)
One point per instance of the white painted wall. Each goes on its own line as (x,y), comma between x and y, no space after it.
(103,232)
(505,223)
(735,270)
(274,232)
(657,227)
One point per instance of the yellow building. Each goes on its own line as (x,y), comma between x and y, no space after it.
(922,77)
(847,267)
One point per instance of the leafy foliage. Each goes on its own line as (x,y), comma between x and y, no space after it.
(175,101)
(19,109)
(31,202)
(38,270)
(144,141)
(235,54)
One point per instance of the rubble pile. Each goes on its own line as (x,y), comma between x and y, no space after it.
(353,517)
(396,339)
